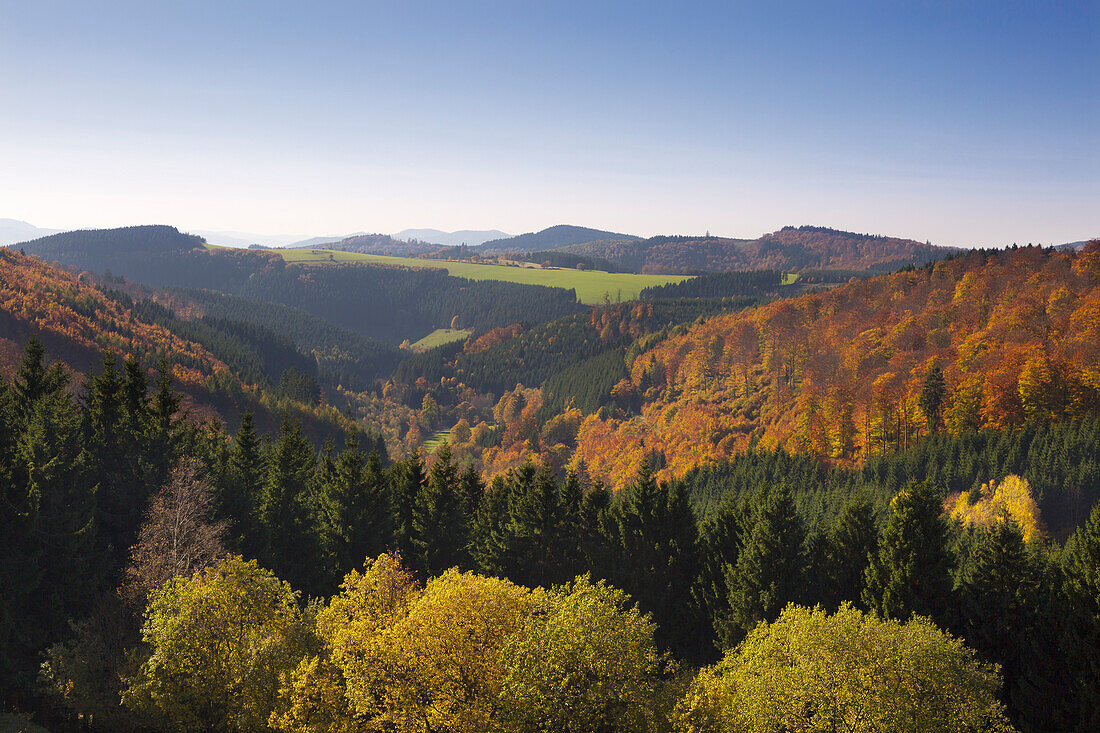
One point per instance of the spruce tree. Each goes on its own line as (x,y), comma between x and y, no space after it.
(771,567)
(406,481)
(286,512)
(721,539)
(1000,604)
(911,572)
(356,518)
(440,524)
(1081,568)
(658,558)
(239,498)
(931,398)
(851,542)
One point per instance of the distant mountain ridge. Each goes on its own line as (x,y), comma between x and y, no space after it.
(14,231)
(469,237)
(377,244)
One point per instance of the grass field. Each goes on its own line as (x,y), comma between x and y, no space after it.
(590,285)
(432,441)
(440,336)
(790,278)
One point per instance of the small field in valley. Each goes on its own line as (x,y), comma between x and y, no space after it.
(590,285)
(439,337)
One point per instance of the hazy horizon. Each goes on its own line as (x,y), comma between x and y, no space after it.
(961,125)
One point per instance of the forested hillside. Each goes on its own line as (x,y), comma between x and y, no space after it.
(390,304)
(379,244)
(223,367)
(982,339)
(789,250)
(553,237)
(711,452)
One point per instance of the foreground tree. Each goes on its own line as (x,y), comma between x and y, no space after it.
(219,641)
(583,661)
(814,672)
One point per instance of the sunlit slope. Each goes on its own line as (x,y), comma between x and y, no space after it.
(841,374)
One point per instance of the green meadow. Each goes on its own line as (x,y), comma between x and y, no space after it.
(590,285)
(439,337)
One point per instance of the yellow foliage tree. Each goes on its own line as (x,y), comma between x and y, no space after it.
(1010,498)
(219,642)
(818,673)
(583,661)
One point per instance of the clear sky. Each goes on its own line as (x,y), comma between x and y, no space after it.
(969,123)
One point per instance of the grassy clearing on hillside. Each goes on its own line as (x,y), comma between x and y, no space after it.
(434,440)
(439,337)
(590,285)
(790,278)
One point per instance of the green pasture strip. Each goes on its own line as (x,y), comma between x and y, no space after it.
(439,337)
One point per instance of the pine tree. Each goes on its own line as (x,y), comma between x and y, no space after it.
(771,567)
(911,572)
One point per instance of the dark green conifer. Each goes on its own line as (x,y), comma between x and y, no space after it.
(851,542)
(771,567)
(911,572)
(286,513)
(440,524)
(658,556)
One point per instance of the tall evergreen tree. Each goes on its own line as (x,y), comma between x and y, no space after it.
(771,567)
(1000,604)
(722,537)
(286,513)
(356,513)
(440,523)
(852,540)
(658,557)
(1081,566)
(931,398)
(54,572)
(239,499)
(406,480)
(911,572)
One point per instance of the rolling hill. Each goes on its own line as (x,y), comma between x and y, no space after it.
(554,237)
(790,249)
(77,321)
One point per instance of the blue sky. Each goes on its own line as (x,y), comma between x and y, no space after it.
(970,123)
